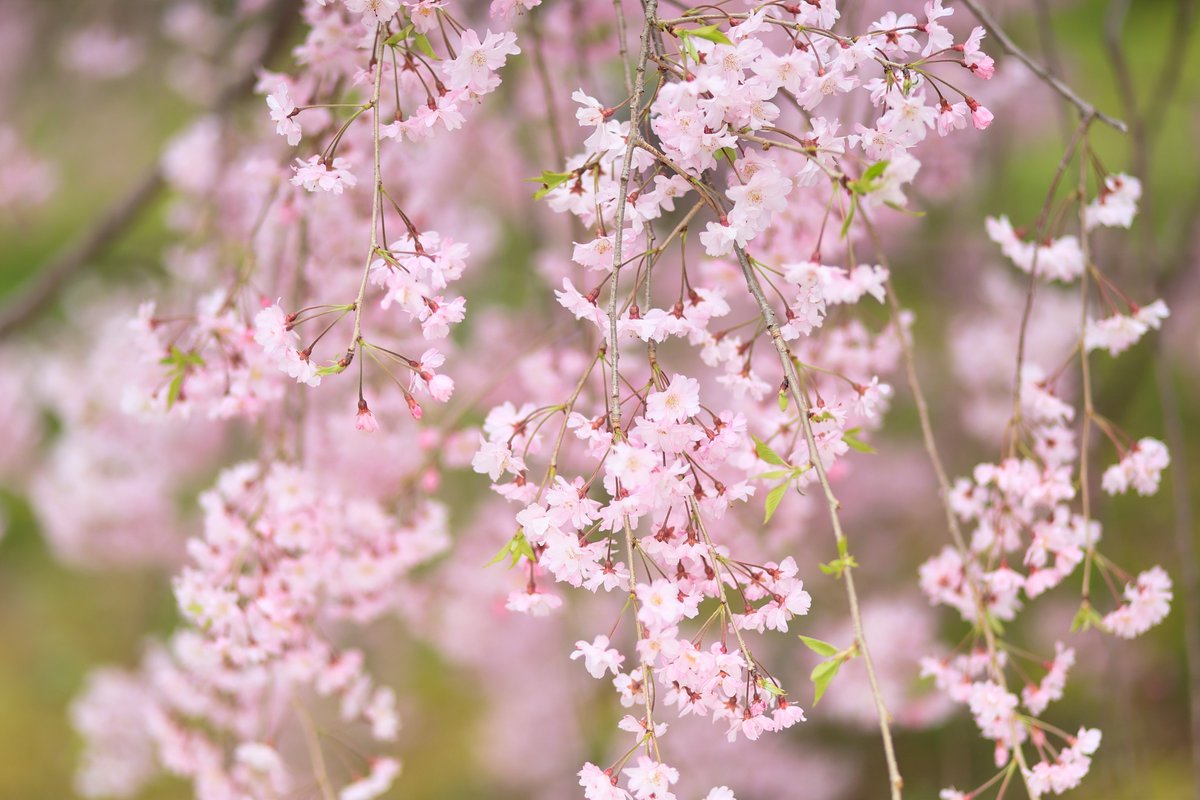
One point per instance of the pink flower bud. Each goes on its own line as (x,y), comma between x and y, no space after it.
(414,407)
(365,421)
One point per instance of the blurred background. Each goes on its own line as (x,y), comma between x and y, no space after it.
(76,137)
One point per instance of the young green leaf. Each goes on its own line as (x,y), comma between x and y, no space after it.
(822,675)
(774,497)
(775,475)
(874,171)
(399,36)
(422,43)
(849,217)
(767,454)
(685,39)
(549,181)
(894,206)
(175,388)
(819,647)
(707,32)
(1086,618)
(513,549)
(855,443)
(838,566)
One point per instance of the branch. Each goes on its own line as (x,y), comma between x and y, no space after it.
(793,379)
(635,114)
(1085,108)
(43,287)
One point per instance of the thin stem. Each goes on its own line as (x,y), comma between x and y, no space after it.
(1086,375)
(376,190)
(635,113)
(320,772)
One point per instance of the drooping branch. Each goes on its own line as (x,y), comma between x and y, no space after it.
(895,780)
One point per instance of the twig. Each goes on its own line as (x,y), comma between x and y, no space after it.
(1085,108)
(376,190)
(539,65)
(1040,231)
(635,113)
(316,756)
(1085,370)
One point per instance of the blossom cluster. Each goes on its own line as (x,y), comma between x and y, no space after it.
(659,477)
(280,560)
(1027,534)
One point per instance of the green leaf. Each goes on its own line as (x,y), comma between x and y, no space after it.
(771,687)
(727,153)
(685,39)
(775,475)
(1086,617)
(549,181)
(869,181)
(849,217)
(855,443)
(181,359)
(783,401)
(175,388)
(767,454)
(838,566)
(399,36)
(513,549)
(822,675)
(707,32)
(892,204)
(874,171)
(819,647)
(774,498)
(994,623)
(422,43)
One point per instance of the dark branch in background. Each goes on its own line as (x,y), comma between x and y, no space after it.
(43,287)
(1169,269)
(1054,65)
(1184,531)
(1172,68)
(1114,23)
(1086,109)
(40,290)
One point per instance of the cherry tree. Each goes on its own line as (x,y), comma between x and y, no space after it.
(703,362)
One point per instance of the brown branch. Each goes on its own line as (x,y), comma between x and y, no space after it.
(1085,108)
(43,287)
